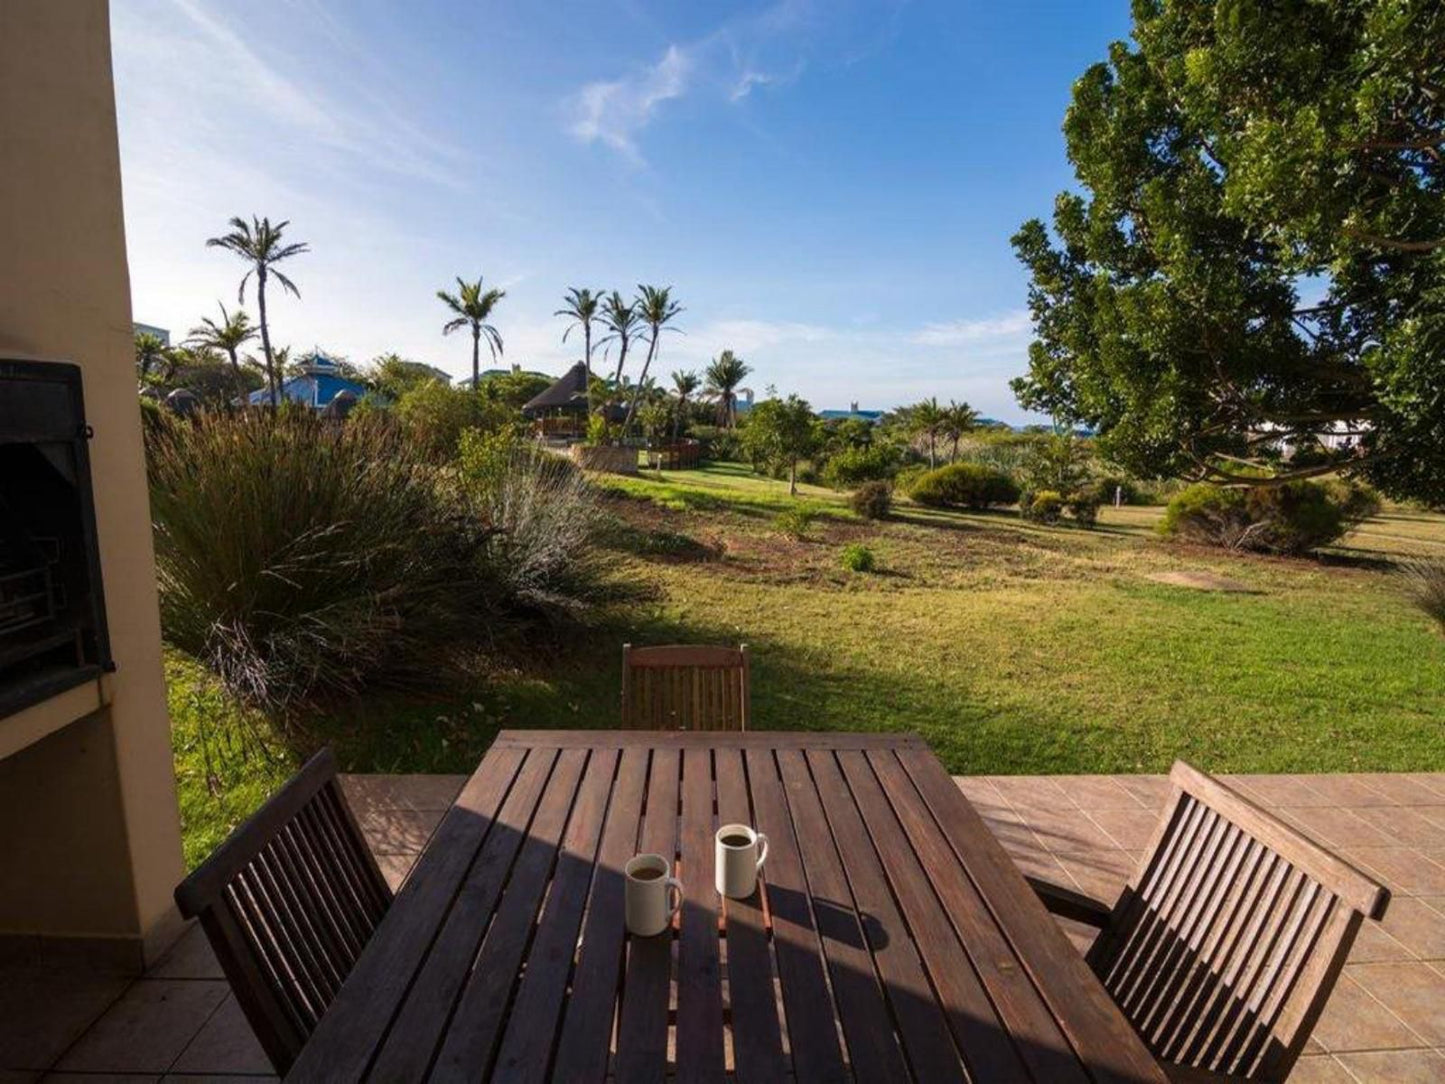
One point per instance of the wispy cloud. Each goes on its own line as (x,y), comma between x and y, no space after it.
(963,332)
(614,112)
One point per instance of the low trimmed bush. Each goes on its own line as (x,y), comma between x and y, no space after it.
(1291,518)
(853,466)
(872,500)
(857,557)
(1045,506)
(964,485)
(1084,507)
(795,521)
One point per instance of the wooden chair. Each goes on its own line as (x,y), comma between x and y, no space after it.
(1228,938)
(685,688)
(288,902)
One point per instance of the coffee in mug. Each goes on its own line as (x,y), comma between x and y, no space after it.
(740,853)
(645,903)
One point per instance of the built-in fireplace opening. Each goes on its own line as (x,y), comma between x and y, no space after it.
(52,615)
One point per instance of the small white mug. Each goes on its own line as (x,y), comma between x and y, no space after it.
(740,854)
(645,903)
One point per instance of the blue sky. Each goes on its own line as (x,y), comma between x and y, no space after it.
(829,187)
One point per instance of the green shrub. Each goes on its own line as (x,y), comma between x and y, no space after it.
(1291,518)
(1045,506)
(857,557)
(854,465)
(299,560)
(1357,500)
(873,500)
(434,415)
(1425,585)
(795,520)
(1084,506)
(907,477)
(966,485)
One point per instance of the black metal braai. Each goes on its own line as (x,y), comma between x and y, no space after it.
(52,616)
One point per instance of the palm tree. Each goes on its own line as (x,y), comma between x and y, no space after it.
(259,243)
(233,332)
(473,308)
(958,419)
(685,383)
(623,320)
(724,375)
(926,419)
(657,309)
(582,306)
(149,351)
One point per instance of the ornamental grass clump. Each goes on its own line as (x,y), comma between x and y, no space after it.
(300,560)
(1425,585)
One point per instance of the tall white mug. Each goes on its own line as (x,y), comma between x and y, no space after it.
(740,853)
(645,905)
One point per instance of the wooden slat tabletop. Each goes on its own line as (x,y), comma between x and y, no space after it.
(892,938)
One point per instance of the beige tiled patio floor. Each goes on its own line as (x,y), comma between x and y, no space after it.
(1385,1022)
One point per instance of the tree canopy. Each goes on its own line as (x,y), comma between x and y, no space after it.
(1256,260)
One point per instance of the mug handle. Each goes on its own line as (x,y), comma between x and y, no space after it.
(674,885)
(762,850)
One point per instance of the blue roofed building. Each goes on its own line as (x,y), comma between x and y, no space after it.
(317,382)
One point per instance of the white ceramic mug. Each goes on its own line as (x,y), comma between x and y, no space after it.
(645,904)
(740,854)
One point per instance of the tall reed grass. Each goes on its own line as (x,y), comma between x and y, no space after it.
(302,560)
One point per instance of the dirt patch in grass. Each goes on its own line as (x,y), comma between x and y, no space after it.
(1198,580)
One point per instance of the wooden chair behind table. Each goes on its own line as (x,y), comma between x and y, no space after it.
(685,687)
(288,902)
(1225,943)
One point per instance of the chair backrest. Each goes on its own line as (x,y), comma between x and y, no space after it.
(1228,938)
(288,902)
(685,687)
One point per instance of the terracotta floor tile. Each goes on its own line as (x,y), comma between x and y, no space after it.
(1151,790)
(1335,827)
(1406,826)
(43,1012)
(1418,923)
(395,867)
(1396,1067)
(190,957)
(1064,831)
(1406,871)
(1348,791)
(1353,1020)
(1100,873)
(1031,792)
(1374,945)
(1279,790)
(1097,792)
(399,831)
(225,1045)
(416,792)
(1129,828)
(1434,781)
(1435,814)
(1319,1069)
(1401,789)
(1414,992)
(146,1030)
(978,790)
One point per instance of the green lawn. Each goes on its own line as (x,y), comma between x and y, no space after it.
(1010,647)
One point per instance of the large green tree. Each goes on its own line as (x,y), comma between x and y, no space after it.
(258,242)
(1256,257)
(780,432)
(581,307)
(724,375)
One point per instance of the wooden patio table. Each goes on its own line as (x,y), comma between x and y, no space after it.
(893,939)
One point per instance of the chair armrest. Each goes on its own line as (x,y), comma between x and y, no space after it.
(1071,904)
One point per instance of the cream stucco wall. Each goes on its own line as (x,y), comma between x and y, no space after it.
(89,831)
